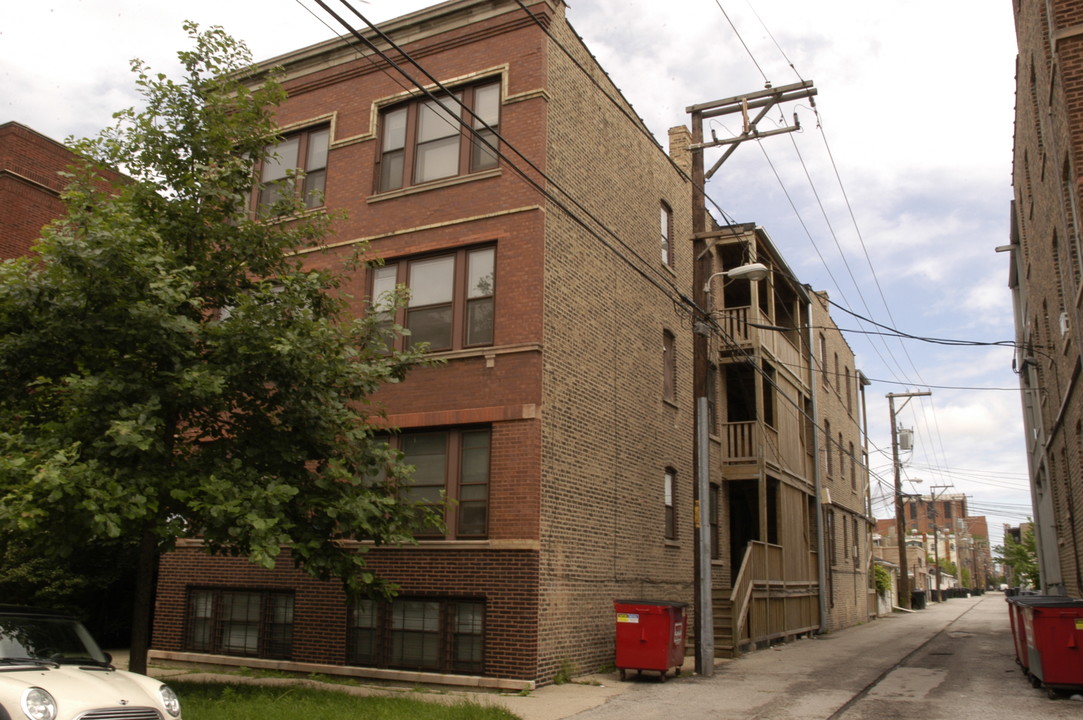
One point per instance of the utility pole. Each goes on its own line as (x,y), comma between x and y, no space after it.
(701,272)
(900,518)
(936,534)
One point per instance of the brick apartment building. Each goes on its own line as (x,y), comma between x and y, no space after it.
(561,424)
(1046,277)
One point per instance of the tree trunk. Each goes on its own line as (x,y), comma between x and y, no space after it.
(142,612)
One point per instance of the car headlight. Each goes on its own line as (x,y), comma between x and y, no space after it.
(38,704)
(170,700)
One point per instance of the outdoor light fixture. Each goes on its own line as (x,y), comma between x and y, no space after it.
(752,271)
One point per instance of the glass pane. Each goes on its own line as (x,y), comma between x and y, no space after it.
(468,618)
(487,104)
(468,649)
(432,281)
(480,270)
(273,192)
(437,159)
(432,325)
(472,518)
(434,122)
(483,154)
(315,187)
(280,158)
(475,457)
(240,606)
(394,130)
(428,454)
(317,150)
(391,166)
(363,614)
(479,322)
(383,283)
(473,492)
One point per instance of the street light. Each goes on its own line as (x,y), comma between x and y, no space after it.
(751,271)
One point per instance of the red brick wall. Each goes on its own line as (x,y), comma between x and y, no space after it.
(505,579)
(29,186)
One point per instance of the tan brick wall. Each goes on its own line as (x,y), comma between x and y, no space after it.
(608,435)
(838,402)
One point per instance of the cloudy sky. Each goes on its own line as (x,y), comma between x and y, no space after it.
(892,197)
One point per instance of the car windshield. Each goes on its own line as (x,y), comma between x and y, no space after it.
(55,639)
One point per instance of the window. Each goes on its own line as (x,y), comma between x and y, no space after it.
(226,622)
(853,469)
(827,448)
(842,458)
(452,464)
(665,226)
(823,359)
(298,164)
(416,633)
(849,394)
(669,366)
(428,140)
(668,490)
(451,297)
(713,519)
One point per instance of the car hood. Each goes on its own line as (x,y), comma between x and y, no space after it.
(80,688)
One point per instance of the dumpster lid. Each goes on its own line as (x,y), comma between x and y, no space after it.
(662,603)
(1050,601)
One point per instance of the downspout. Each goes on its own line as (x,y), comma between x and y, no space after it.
(821,573)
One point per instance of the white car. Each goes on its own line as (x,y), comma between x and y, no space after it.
(51,669)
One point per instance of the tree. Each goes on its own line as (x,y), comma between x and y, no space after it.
(171,367)
(1021,556)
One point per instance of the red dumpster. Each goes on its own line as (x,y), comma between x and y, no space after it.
(650,635)
(1054,637)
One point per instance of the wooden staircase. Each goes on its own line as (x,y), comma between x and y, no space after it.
(724,644)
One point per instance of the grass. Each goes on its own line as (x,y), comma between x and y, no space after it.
(225,701)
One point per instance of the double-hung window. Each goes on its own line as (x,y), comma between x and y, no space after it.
(431,139)
(669,491)
(227,622)
(452,465)
(665,229)
(295,168)
(451,297)
(417,633)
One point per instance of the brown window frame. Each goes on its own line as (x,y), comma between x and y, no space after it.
(305,181)
(669,367)
(464,495)
(208,633)
(371,630)
(401,128)
(669,503)
(665,232)
(471,299)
